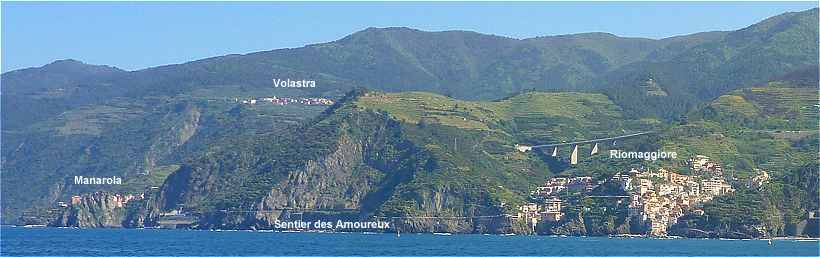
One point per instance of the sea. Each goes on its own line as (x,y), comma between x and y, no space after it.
(18,241)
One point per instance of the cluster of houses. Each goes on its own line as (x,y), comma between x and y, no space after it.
(701,164)
(656,198)
(117,199)
(555,185)
(286,100)
(550,206)
(533,213)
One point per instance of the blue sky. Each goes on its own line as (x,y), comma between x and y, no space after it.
(140,35)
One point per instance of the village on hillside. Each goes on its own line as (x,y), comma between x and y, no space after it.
(285,100)
(656,198)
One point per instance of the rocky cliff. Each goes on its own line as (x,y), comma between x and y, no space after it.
(107,210)
(350,163)
(95,210)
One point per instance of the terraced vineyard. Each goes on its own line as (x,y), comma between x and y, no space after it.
(778,98)
(776,105)
(529,117)
(772,127)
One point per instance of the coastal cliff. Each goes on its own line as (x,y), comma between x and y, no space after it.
(95,210)
(431,164)
(106,210)
(351,163)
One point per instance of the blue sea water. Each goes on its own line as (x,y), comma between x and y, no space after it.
(62,241)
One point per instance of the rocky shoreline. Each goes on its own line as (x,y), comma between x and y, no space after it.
(102,210)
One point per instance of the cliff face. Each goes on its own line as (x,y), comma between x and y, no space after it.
(350,164)
(362,165)
(180,125)
(107,210)
(337,181)
(142,214)
(452,209)
(95,210)
(580,225)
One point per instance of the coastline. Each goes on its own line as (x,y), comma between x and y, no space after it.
(18,241)
(620,236)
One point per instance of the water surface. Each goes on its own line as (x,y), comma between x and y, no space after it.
(65,241)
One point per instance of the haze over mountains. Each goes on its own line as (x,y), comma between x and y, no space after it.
(68,118)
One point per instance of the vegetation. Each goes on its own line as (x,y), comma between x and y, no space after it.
(770,128)
(425,142)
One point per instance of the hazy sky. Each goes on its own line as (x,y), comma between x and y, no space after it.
(139,35)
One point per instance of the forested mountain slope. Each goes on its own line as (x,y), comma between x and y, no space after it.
(393,155)
(69,118)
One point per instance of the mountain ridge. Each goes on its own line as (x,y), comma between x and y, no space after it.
(151,109)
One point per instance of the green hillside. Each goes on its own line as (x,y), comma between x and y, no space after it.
(412,153)
(771,128)
(462,97)
(139,141)
(530,117)
(778,105)
(762,52)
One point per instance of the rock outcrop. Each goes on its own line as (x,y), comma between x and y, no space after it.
(349,164)
(95,210)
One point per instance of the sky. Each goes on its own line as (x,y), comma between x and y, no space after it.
(134,36)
